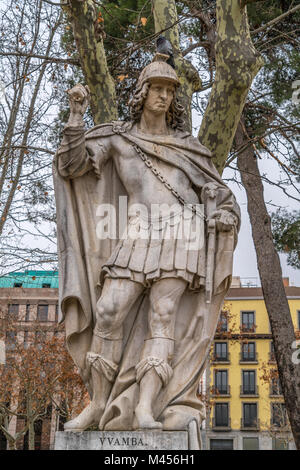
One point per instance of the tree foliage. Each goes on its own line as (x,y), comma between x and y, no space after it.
(37,378)
(286,233)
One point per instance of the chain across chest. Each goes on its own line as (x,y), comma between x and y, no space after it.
(158,174)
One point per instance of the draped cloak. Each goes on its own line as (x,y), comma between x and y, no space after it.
(81,184)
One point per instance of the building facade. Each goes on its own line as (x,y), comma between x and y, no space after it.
(30,298)
(246,407)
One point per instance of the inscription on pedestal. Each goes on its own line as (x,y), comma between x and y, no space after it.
(121,440)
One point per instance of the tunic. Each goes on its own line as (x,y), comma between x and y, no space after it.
(158,248)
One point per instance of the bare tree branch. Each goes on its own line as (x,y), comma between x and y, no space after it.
(45,58)
(276,20)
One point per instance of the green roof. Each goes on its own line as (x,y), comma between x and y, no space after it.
(30,279)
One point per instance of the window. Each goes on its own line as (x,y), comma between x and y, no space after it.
(221,415)
(250,415)
(278,415)
(62,417)
(221,382)
(275,386)
(248,352)
(3,441)
(249,382)
(11,338)
(40,337)
(42,313)
(223,323)
(26,338)
(280,444)
(248,321)
(272,352)
(13,311)
(61,422)
(46,285)
(250,443)
(18,284)
(221,352)
(38,427)
(27,314)
(221,444)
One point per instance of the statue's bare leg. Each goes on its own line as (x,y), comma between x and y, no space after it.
(118,296)
(154,371)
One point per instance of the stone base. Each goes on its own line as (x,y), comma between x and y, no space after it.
(121,440)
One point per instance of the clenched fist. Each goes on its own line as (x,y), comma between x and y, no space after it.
(79,99)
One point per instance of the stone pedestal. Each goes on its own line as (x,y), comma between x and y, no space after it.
(121,440)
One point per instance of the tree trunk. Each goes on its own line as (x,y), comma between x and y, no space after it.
(87,34)
(12,444)
(271,280)
(30,421)
(165,18)
(237,63)
(31,437)
(5,211)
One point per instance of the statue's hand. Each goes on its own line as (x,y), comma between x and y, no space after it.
(225,220)
(79,99)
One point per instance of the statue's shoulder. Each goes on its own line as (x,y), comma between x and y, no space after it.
(193,143)
(108,129)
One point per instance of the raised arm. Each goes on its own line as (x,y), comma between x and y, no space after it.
(75,156)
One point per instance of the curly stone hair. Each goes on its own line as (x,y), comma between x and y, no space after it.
(175,111)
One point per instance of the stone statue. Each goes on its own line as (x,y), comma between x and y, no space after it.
(141,311)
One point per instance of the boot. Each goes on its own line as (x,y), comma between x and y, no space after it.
(103,372)
(152,373)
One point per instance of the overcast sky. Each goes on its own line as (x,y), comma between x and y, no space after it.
(245,264)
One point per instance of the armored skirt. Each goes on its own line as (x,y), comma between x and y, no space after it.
(151,249)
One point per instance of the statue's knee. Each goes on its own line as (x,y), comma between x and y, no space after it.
(163,311)
(105,315)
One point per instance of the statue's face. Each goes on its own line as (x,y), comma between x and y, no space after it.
(160,96)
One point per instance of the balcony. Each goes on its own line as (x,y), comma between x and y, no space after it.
(248,328)
(250,425)
(248,360)
(281,425)
(221,359)
(275,391)
(220,393)
(221,426)
(272,358)
(249,393)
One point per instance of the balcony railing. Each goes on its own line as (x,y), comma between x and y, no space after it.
(272,357)
(220,359)
(275,391)
(217,392)
(250,425)
(221,427)
(249,358)
(244,392)
(248,328)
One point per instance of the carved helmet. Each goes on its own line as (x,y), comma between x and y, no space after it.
(158,69)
